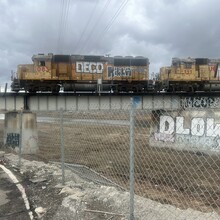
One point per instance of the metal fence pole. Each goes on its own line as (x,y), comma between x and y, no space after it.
(20,137)
(132,159)
(62,146)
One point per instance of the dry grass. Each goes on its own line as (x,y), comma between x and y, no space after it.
(181,178)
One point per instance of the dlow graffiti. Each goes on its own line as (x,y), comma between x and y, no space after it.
(198,126)
(189,130)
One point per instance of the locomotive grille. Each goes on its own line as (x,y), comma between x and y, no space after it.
(92,58)
(61,58)
(130,62)
(202,61)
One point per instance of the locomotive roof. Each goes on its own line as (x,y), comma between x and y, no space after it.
(183,60)
(117,60)
(192,60)
(42,56)
(214,60)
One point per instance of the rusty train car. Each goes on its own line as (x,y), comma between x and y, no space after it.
(83,73)
(190,75)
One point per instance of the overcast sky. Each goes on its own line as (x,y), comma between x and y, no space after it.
(157,29)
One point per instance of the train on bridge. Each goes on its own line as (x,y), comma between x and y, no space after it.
(77,73)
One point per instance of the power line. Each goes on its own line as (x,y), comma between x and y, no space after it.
(111,21)
(86,26)
(66,23)
(65,5)
(115,15)
(95,25)
(63,24)
(60,24)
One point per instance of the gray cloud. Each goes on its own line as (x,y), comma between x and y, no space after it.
(157,29)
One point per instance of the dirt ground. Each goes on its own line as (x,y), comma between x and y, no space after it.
(180,178)
(45,193)
(79,199)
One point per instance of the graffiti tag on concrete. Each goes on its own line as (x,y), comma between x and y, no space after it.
(200,102)
(195,132)
(12,139)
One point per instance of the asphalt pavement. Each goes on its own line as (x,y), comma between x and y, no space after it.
(12,205)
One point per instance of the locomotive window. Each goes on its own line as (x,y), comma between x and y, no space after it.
(61,58)
(42,63)
(176,64)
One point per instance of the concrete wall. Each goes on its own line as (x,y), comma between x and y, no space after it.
(21,129)
(194,130)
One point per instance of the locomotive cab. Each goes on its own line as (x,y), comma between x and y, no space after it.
(183,69)
(209,72)
(42,65)
(180,76)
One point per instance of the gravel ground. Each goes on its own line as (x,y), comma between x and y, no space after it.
(83,200)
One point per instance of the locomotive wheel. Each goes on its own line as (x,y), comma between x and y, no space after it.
(171,89)
(134,89)
(191,89)
(32,91)
(114,89)
(16,90)
(55,89)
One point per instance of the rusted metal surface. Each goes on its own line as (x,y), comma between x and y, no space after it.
(47,71)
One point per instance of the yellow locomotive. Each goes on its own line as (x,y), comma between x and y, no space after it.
(199,74)
(116,74)
(83,73)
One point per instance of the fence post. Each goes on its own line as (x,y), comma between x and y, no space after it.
(62,146)
(20,138)
(132,159)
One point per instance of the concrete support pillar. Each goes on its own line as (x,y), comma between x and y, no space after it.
(21,130)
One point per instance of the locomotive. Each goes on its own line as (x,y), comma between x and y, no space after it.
(91,73)
(83,73)
(190,75)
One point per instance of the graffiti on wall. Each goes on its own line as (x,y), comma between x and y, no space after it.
(195,132)
(13,139)
(200,102)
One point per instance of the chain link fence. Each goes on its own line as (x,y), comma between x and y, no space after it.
(168,156)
